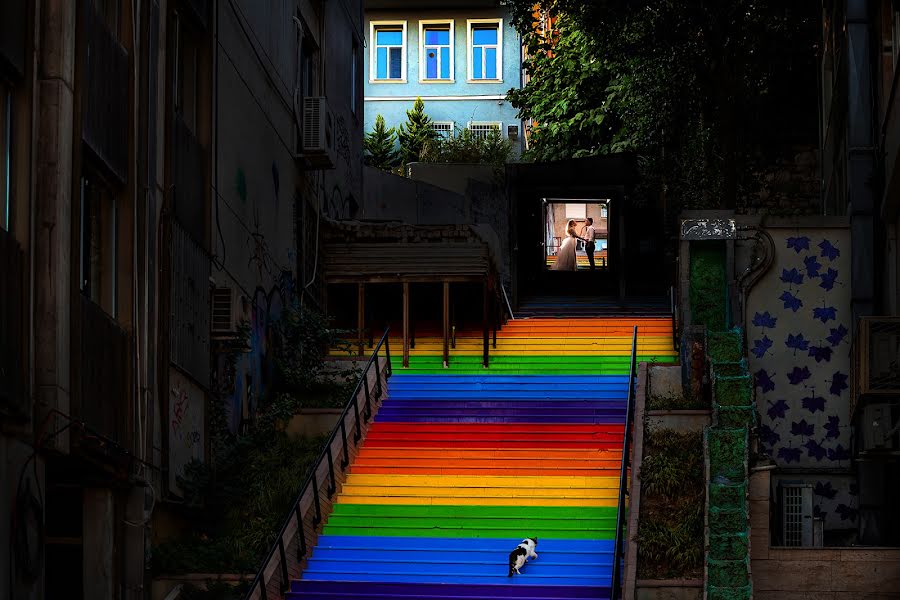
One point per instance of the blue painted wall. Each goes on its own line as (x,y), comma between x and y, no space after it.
(456,101)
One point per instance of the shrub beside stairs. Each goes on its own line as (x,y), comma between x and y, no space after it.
(726,447)
(461,463)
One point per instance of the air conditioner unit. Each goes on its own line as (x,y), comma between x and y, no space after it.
(229,309)
(876,357)
(317,146)
(796,501)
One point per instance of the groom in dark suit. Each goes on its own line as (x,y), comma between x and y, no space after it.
(589,241)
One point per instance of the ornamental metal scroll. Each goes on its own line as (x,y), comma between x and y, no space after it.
(708,229)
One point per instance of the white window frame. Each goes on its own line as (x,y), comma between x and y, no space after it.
(450,132)
(423,25)
(496,124)
(469,26)
(374,26)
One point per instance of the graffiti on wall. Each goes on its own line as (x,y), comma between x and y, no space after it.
(185,425)
(798,336)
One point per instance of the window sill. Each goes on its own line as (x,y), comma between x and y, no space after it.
(387,81)
(437,81)
(484,81)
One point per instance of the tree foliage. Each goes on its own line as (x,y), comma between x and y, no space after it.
(691,86)
(466,147)
(380,146)
(416,133)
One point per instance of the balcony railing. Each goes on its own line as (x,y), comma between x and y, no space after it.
(12,328)
(105,95)
(105,374)
(189,327)
(189,160)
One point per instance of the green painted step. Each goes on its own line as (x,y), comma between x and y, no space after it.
(544,365)
(455,529)
(471,512)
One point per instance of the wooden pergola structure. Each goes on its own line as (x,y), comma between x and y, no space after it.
(407,263)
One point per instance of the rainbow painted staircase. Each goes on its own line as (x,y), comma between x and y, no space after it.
(461,463)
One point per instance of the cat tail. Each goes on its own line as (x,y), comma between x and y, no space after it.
(510,568)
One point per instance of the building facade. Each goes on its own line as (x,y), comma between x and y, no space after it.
(165,166)
(460,59)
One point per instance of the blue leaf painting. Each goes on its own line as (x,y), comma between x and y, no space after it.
(760,347)
(791,301)
(824,489)
(792,277)
(838,453)
(812,266)
(825,313)
(813,403)
(838,383)
(814,450)
(846,512)
(802,428)
(798,375)
(764,320)
(828,250)
(798,243)
(790,455)
(820,353)
(833,427)
(796,342)
(818,512)
(829,278)
(854,489)
(764,381)
(777,409)
(837,335)
(769,435)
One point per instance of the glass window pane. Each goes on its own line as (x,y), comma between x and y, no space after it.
(482,36)
(381,71)
(476,63)
(431,63)
(445,63)
(490,63)
(389,38)
(437,37)
(396,63)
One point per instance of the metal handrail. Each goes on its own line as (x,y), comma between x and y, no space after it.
(340,428)
(616,584)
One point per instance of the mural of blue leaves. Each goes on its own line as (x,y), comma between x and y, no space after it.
(792,277)
(764,320)
(820,353)
(802,428)
(764,380)
(777,409)
(769,435)
(812,265)
(813,403)
(791,301)
(798,375)
(814,450)
(790,455)
(796,342)
(854,489)
(828,250)
(837,335)
(825,313)
(818,513)
(838,453)
(829,278)
(838,383)
(846,512)
(833,427)
(760,347)
(825,489)
(798,243)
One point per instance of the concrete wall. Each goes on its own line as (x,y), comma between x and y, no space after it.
(798,323)
(814,573)
(459,101)
(395,198)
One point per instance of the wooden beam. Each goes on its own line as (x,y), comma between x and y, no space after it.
(361,316)
(405,323)
(485,326)
(446,319)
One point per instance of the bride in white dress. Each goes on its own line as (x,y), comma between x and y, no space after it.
(565,259)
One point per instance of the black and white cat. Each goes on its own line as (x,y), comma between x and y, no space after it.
(523,552)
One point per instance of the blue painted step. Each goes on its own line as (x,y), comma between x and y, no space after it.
(482,544)
(305,590)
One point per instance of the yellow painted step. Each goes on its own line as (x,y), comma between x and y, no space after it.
(477,501)
(471,481)
(479,492)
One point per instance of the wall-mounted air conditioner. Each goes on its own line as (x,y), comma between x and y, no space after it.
(317,138)
(229,310)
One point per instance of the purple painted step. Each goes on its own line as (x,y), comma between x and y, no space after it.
(577,405)
(608,420)
(301,590)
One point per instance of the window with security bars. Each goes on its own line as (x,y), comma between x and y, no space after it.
(483,130)
(443,128)
(796,514)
